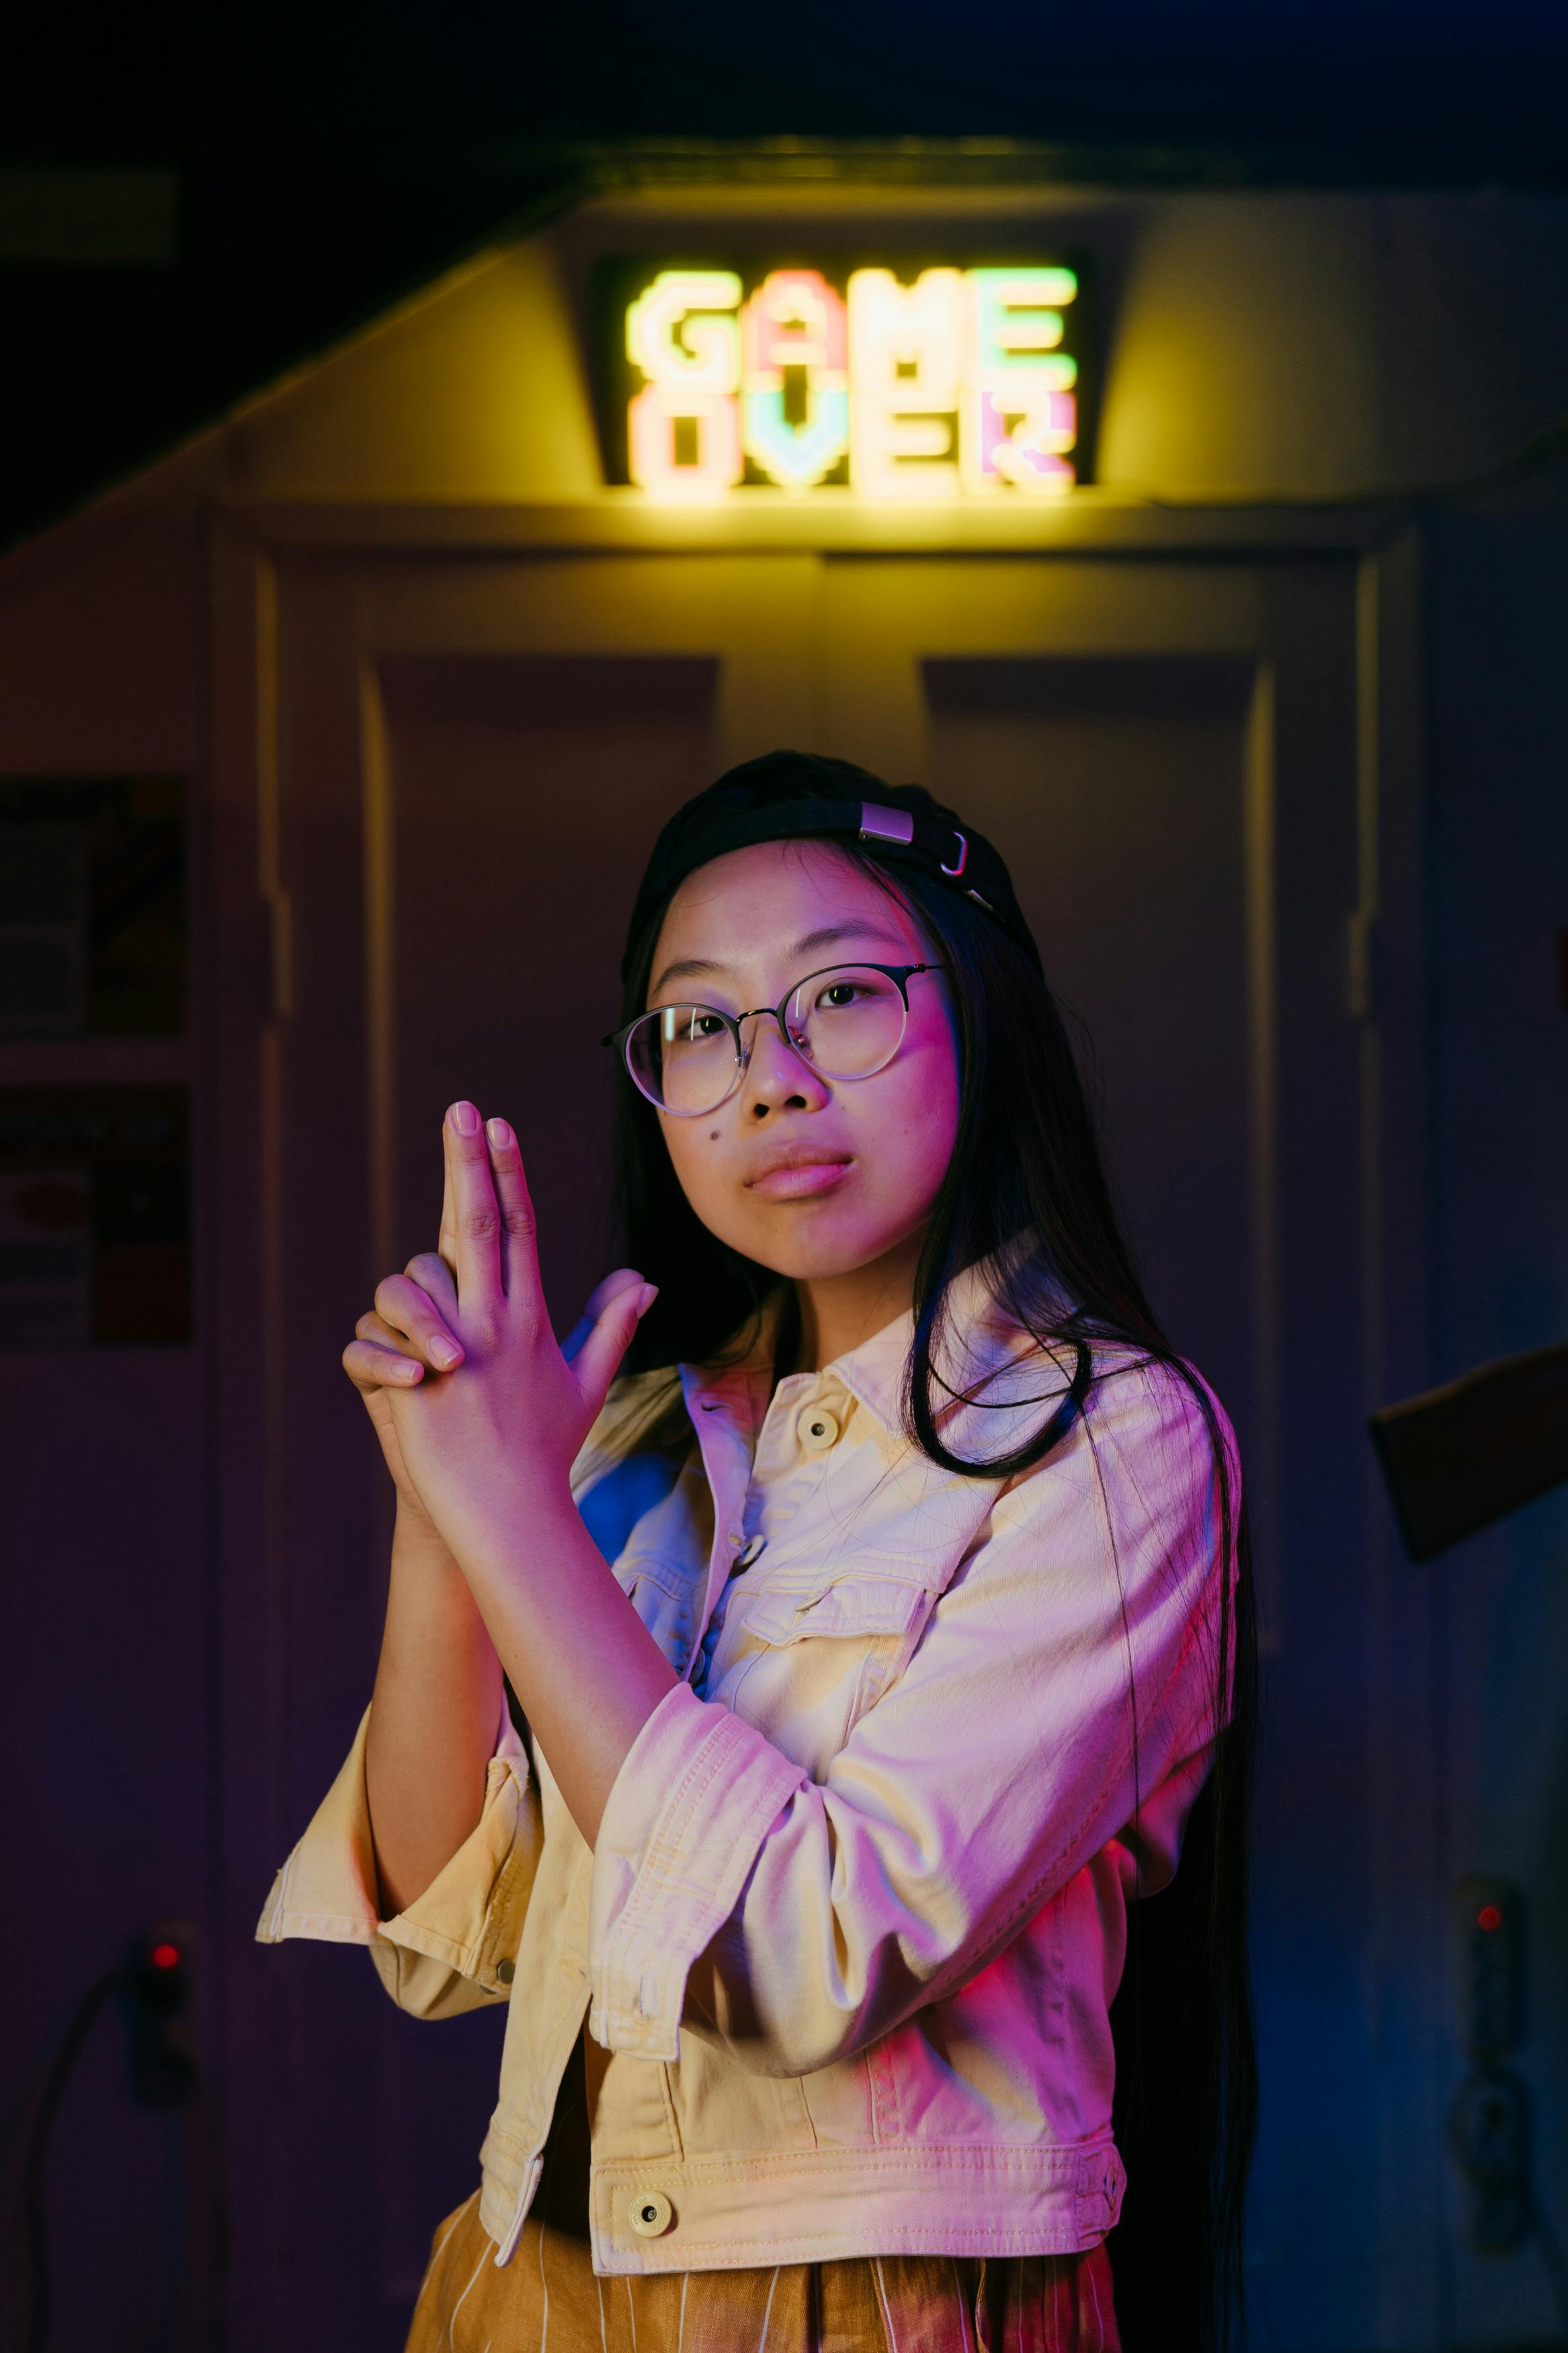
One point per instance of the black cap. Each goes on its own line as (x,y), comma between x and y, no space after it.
(805,795)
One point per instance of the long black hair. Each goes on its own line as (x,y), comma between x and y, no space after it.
(1026,1190)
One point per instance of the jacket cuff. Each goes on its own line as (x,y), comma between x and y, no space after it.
(468,1921)
(328,1887)
(696,1794)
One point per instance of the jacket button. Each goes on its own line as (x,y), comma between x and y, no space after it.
(816,1429)
(649,2213)
(506,1971)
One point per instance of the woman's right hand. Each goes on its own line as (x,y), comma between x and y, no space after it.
(406,1335)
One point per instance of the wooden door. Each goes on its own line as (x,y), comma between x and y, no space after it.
(461,766)
(1175,759)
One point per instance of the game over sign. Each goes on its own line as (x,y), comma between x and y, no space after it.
(948,383)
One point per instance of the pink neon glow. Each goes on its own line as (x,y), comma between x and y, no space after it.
(1020,439)
(794,319)
(652,424)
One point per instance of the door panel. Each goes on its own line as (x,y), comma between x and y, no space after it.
(1117,784)
(753,614)
(1117,727)
(525,792)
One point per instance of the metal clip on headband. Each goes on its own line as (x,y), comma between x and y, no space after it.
(921,834)
(880,823)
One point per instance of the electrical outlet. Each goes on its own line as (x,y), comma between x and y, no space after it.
(163,2069)
(1492,1968)
(1489,2120)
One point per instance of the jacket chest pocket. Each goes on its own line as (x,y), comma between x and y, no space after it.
(834,1648)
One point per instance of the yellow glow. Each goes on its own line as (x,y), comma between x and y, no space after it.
(956,383)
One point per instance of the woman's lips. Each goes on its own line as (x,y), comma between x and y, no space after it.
(799,1179)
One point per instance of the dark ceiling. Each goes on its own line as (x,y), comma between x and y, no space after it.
(324,162)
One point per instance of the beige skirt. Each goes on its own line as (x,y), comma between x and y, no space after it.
(549,2299)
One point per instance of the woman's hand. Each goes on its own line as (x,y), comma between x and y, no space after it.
(412,1329)
(477,1451)
(406,1334)
(482,1453)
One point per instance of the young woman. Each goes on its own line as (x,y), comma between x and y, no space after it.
(789,1681)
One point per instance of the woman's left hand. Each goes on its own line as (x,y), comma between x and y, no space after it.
(492,1445)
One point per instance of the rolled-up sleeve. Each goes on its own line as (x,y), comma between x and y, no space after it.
(1068,1673)
(698,1794)
(453,1948)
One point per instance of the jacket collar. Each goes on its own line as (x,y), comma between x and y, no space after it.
(986,1361)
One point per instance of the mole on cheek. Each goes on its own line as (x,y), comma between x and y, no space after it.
(712,1135)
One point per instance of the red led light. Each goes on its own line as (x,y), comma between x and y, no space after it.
(165,1956)
(1489,1918)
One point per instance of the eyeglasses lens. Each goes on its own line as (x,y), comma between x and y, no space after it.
(846,1023)
(683,1058)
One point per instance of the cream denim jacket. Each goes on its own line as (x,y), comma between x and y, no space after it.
(855,1917)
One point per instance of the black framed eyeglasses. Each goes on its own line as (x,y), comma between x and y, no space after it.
(847,1021)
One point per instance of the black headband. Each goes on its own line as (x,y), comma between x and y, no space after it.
(962,859)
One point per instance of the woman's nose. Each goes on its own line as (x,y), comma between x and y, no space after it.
(776,1074)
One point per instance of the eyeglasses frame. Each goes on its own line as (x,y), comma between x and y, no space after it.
(901,975)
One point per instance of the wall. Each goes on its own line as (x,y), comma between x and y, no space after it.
(1309,345)
(1498,879)
(105,1733)
(1326,344)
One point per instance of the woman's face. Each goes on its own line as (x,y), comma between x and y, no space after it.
(810,1176)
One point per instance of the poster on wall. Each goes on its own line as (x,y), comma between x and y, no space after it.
(895,384)
(94,1217)
(93,907)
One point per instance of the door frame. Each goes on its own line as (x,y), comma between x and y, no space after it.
(251,1004)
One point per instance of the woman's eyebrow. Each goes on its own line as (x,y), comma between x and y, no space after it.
(833,935)
(689,968)
(830,935)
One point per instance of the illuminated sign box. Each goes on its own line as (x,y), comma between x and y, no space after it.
(893,384)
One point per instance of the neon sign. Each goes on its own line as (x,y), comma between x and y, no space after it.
(953,383)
